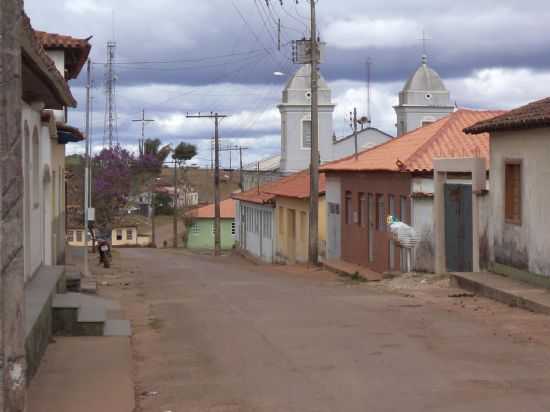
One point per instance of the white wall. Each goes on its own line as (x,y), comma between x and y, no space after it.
(365,139)
(423,223)
(526,246)
(256,242)
(334,221)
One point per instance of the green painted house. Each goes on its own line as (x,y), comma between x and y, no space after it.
(200,227)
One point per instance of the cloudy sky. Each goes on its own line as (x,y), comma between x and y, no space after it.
(178,56)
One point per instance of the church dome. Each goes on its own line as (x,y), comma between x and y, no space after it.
(302,80)
(425,79)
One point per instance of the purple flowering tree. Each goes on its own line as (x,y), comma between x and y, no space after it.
(112,182)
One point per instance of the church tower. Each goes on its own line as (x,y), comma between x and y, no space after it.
(296,122)
(423,100)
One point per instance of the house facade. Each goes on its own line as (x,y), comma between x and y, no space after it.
(520,167)
(273,220)
(200,227)
(396,178)
(48,62)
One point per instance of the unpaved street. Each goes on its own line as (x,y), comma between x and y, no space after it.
(225,335)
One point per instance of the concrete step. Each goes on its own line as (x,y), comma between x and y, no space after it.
(506,290)
(78,314)
(117,328)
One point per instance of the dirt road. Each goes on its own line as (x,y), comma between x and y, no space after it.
(225,335)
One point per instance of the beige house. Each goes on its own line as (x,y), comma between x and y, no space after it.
(131,231)
(520,170)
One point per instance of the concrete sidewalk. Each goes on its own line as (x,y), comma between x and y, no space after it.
(506,290)
(85,374)
(349,269)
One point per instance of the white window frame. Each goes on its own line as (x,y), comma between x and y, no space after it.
(302,140)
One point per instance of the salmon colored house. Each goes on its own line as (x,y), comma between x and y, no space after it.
(396,178)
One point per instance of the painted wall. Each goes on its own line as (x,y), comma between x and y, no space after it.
(525,246)
(201,234)
(410,118)
(365,139)
(423,223)
(75,237)
(292,217)
(124,236)
(255,232)
(333,213)
(295,157)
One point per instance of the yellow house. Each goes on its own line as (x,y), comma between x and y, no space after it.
(292,217)
(293,228)
(131,230)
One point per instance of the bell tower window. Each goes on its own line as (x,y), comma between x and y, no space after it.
(306,134)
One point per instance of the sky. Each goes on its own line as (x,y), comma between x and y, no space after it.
(179,56)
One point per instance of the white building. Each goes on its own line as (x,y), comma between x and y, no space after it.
(423,100)
(295,110)
(49,61)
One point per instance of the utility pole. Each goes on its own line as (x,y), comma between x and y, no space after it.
(217,229)
(314,160)
(143,121)
(87,168)
(369,69)
(355,132)
(175,220)
(12,274)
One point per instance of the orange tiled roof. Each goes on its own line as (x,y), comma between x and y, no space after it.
(227,211)
(294,186)
(530,116)
(415,151)
(80,49)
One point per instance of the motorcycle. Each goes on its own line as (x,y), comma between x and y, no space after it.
(104,253)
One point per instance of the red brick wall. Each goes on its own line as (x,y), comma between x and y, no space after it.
(355,236)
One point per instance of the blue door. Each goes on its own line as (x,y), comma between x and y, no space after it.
(458,227)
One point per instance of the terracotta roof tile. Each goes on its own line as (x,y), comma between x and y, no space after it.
(79,48)
(227,210)
(415,151)
(293,186)
(532,115)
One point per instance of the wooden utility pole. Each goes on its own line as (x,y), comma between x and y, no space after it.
(314,160)
(355,132)
(12,275)
(175,220)
(143,122)
(217,228)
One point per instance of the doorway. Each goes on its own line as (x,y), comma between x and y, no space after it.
(458,227)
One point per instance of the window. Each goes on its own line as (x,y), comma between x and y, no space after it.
(349,208)
(233,229)
(119,234)
(426,123)
(513,193)
(70,236)
(281,220)
(195,229)
(303,225)
(79,235)
(306,134)
(380,213)
(213,228)
(372,217)
(361,212)
(129,234)
(35,168)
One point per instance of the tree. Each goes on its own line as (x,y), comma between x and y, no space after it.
(184,151)
(112,181)
(152,147)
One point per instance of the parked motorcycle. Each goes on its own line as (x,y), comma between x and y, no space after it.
(105,255)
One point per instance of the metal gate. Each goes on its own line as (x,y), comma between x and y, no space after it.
(458,227)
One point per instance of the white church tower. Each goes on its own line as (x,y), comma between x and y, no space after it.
(423,100)
(296,122)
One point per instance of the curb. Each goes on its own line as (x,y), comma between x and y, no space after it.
(498,295)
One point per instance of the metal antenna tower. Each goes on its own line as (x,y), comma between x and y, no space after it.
(110,132)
